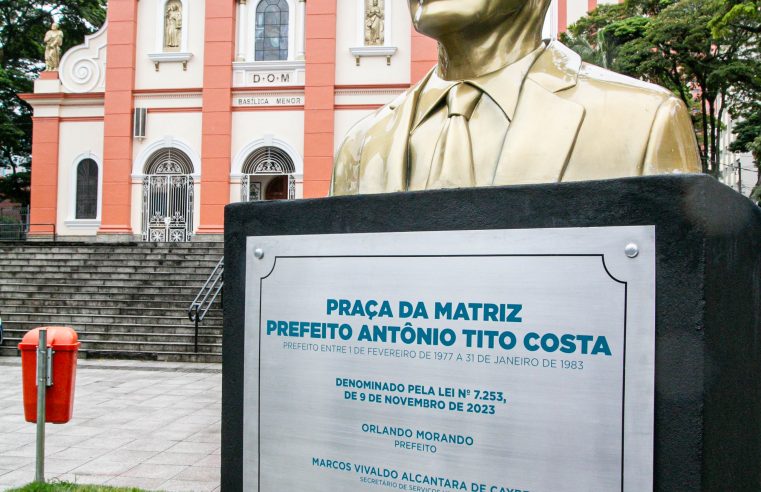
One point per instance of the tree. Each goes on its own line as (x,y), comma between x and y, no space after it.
(15,187)
(598,37)
(743,15)
(673,43)
(23,24)
(747,132)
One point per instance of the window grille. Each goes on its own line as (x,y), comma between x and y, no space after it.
(271,30)
(268,160)
(87,190)
(169,161)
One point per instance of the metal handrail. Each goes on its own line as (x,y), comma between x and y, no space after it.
(24,230)
(206,297)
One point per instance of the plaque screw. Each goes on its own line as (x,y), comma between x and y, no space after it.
(631,250)
(259,253)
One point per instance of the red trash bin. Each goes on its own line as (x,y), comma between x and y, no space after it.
(59,400)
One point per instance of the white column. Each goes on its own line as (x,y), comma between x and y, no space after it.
(301,20)
(242,31)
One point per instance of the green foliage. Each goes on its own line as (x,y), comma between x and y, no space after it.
(15,187)
(744,15)
(598,36)
(70,487)
(747,131)
(23,24)
(679,44)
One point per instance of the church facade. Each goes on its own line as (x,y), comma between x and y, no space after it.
(176,108)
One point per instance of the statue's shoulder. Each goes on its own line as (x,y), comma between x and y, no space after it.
(365,124)
(652,116)
(598,77)
(561,70)
(345,178)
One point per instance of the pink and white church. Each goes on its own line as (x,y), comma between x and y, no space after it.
(175,108)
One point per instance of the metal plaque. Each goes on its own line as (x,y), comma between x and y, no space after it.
(486,361)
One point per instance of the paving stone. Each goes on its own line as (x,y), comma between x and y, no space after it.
(199,474)
(12,440)
(16,478)
(138,482)
(102,466)
(14,462)
(129,455)
(74,453)
(80,430)
(150,444)
(182,485)
(214,460)
(106,442)
(152,470)
(113,437)
(193,447)
(30,451)
(62,440)
(58,466)
(205,436)
(168,458)
(84,478)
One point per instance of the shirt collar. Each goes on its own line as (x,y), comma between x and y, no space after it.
(503,86)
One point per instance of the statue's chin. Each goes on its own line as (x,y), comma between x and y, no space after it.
(443,17)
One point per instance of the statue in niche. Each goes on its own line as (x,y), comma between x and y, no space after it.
(173,25)
(374,23)
(53,43)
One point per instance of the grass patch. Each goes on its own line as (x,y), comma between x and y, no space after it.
(71,487)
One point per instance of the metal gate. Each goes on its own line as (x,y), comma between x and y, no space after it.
(167,208)
(251,190)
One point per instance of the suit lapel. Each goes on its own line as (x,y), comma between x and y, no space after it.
(384,160)
(540,138)
(544,130)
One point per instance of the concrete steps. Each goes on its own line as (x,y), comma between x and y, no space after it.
(126,300)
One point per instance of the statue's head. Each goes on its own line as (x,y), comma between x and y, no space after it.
(437,18)
(54,26)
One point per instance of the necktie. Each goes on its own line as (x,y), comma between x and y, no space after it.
(452,165)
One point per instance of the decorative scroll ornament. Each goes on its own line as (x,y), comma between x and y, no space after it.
(374,22)
(83,68)
(168,167)
(53,43)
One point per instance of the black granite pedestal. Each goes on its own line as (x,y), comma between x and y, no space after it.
(708,300)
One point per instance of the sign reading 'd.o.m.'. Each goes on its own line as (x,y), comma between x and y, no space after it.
(491,360)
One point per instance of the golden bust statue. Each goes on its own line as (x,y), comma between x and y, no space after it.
(503,107)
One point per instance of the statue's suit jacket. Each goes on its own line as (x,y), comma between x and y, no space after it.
(573,122)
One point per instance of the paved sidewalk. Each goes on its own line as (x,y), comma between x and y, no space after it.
(153,425)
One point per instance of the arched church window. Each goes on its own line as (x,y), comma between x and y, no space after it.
(87,190)
(268,175)
(271,30)
(172,25)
